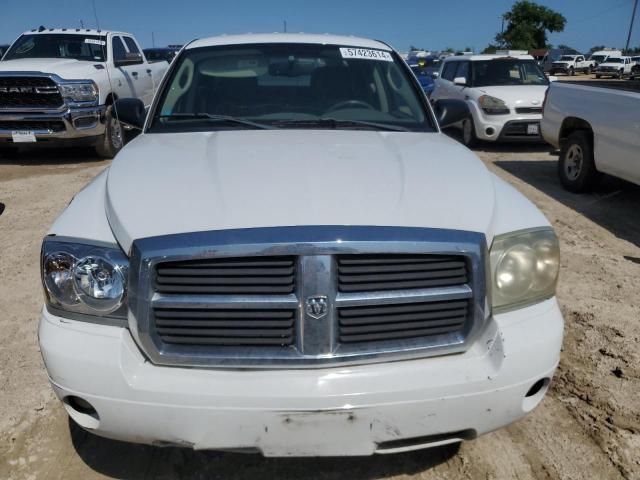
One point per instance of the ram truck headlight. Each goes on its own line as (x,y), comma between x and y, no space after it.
(524,268)
(492,105)
(79,92)
(85,281)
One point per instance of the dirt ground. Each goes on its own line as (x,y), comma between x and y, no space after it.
(587,427)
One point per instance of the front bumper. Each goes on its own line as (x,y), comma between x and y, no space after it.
(511,127)
(66,124)
(355,410)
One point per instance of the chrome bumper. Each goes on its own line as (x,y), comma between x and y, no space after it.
(78,123)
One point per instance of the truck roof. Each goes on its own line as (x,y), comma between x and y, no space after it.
(319,39)
(73,31)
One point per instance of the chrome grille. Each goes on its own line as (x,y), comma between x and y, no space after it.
(528,110)
(368,273)
(240,298)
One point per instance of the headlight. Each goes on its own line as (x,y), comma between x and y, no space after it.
(524,268)
(492,105)
(79,92)
(87,281)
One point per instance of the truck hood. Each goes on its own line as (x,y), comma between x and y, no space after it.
(186,182)
(517,95)
(63,67)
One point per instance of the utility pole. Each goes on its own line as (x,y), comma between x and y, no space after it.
(153,40)
(81,24)
(633,17)
(285,25)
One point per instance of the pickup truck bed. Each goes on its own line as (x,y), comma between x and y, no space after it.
(596,125)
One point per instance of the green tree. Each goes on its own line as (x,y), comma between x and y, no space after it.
(528,24)
(491,49)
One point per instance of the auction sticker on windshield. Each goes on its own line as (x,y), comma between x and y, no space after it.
(366,54)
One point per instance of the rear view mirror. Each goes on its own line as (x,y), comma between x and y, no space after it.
(450,111)
(460,81)
(130,111)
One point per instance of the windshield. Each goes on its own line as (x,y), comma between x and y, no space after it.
(598,58)
(59,45)
(290,86)
(566,58)
(507,71)
(614,60)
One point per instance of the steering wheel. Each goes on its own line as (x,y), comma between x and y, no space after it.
(350,104)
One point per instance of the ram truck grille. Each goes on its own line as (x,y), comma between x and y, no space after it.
(304,301)
(31,93)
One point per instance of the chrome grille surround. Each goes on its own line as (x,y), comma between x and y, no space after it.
(316,343)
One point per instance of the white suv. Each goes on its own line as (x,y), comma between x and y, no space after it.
(504,95)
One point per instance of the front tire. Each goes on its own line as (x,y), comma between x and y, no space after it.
(576,166)
(112,140)
(572,72)
(469,137)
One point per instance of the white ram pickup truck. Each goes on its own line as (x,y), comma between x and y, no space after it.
(596,130)
(571,64)
(57,87)
(292,259)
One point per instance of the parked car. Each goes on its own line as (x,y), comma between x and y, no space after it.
(596,129)
(292,259)
(3,49)
(504,94)
(160,54)
(570,65)
(617,67)
(424,78)
(57,87)
(601,56)
(545,58)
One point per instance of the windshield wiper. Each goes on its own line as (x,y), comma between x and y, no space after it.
(335,123)
(217,119)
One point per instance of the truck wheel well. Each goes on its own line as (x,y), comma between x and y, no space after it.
(112,97)
(572,124)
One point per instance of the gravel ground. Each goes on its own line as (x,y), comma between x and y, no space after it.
(588,426)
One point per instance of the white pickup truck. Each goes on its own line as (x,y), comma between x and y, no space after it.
(597,130)
(571,64)
(57,86)
(617,67)
(292,259)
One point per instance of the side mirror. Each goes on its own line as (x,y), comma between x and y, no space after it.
(129,59)
(450,111)
(460,81)
(130,111)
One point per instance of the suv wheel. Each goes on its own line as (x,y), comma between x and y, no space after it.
(469,137)
(113,139)
(572,72)
(576,167)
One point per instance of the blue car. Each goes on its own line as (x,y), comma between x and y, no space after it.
(425,77)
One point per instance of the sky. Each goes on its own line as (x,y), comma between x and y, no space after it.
(433,25)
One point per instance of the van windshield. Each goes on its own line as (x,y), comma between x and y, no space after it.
(507,71)
(293,85)
(598,58)
(91,48)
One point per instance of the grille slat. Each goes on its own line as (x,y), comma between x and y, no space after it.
(528,110)
(232,276)
(413,320)
(224,327)
(54,126)
(367,273)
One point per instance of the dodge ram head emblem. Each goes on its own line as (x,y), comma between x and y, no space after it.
(317,306)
